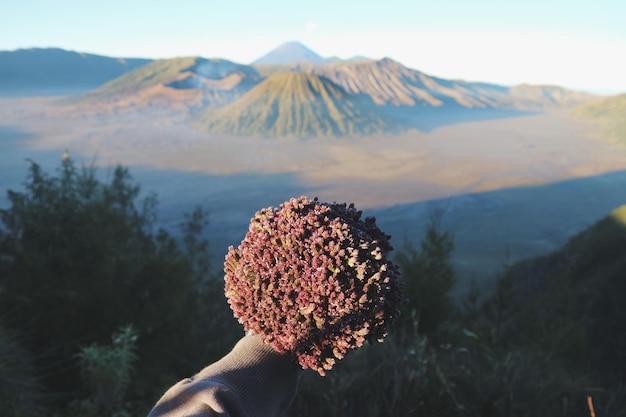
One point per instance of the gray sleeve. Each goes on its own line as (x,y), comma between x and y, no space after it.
(252,380)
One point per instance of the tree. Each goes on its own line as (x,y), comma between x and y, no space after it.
(429,277)
(79,259)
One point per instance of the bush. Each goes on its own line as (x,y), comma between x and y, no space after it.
(80,258)
(106,371)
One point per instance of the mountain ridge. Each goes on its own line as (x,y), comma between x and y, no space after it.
(57,71)
(211,82)
(389,82)
(383,89)
(289,53)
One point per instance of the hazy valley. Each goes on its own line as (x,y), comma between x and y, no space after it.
(515,170)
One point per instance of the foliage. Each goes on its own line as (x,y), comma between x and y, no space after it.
(429,278)
(391,378)
(581,287)
(523,350)
(411,376)
(106,371)
(21,391)
(79,259)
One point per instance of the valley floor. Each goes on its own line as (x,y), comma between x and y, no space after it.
(511,187)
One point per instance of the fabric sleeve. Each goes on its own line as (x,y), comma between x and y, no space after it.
(253,380)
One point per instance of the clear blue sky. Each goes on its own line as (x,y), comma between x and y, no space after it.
(574,43)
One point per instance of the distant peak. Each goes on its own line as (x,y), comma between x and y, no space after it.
(290,53)
(293,44)
(389,62)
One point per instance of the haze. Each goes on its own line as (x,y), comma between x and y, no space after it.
(510,188)
(575,44)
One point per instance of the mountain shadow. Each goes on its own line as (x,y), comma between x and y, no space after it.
(428,119)
(501,227)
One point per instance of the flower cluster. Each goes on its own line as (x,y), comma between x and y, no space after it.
(314,280)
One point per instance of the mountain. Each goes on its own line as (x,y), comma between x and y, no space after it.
(200,82)
(329,97)
(388,82)
(268,69)
(294,104)
(541,96)
(608,113)
(290,53)
(359,58)
(53,71)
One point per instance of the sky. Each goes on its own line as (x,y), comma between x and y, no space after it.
(571,43)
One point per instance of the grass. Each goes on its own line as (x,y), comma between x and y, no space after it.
(609,114)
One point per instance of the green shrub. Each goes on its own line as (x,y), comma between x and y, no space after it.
(106,371)
(80,258)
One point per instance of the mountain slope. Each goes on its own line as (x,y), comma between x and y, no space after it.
(299,105)
(390,83)
(586,278)
(541,96)
(595,252)
(289,53)
(206,82)
(609,113)
(57,71)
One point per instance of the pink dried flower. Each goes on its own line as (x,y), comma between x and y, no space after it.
(314,280)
